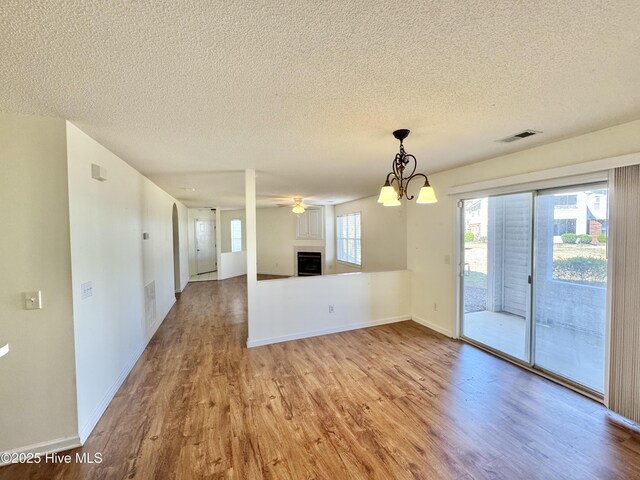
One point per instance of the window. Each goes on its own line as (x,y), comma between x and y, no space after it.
(348,238)
(566,201)
(236,235)
(564,225)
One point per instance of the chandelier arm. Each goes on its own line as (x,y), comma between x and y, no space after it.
(398,181)
(409,181)
(395,166)
(388,175)
(415,164)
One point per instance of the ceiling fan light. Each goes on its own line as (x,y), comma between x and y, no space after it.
(298,209)
(387,194)
(392,203)
(427,194)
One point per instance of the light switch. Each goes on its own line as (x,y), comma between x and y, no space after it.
(86,290)
(447,259)
(32,300)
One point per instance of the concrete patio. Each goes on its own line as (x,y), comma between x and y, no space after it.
(571,353)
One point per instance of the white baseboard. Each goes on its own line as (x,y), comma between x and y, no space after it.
(88,427)
(315,333)
(52,446)
(433,326)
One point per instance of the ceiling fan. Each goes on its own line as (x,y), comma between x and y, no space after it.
(298,206)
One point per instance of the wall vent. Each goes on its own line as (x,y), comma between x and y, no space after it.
(519,136)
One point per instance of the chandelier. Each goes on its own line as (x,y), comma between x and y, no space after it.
(397,184)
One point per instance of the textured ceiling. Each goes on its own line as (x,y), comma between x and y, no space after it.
(308,92)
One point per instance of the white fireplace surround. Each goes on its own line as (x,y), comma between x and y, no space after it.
(307,248)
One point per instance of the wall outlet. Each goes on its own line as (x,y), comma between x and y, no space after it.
(331,309)
(435,307)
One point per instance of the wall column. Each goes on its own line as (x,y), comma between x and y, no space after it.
(252,257)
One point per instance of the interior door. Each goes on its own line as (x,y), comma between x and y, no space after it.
(496,288)
(205,246)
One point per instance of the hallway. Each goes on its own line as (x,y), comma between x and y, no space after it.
(396,401)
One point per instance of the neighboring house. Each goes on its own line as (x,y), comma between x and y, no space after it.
(476,214)
(579,213)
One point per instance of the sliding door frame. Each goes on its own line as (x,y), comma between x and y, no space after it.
(527,362)
(597,178)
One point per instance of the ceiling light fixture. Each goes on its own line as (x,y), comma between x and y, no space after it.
(396,185)
(297,207)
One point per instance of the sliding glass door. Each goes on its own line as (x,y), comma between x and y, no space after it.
(533,285)
(569,291)
(497,262)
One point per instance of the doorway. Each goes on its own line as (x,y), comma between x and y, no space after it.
(205,244)
(533,280)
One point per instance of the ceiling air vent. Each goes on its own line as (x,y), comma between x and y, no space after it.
(519,136)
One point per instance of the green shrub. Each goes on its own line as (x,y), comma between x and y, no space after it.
(469,236)
(587,270)
(584,238)
(569,237)
(602,239)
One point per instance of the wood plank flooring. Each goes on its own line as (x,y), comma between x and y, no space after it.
(391,402)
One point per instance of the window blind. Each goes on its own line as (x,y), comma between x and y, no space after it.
(348,236)
(624,247)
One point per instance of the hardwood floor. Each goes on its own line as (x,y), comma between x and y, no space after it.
(392,402)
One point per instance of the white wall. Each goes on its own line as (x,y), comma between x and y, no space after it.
(225,228)
(193,214)
(330,239)
(299,307)
(276,236)
(37,392)
(232,264)
(107,222)
(431,228)
(384,235)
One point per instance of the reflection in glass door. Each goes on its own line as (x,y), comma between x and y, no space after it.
(569,306)
(496,269)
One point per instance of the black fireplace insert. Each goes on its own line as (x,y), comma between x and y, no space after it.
(309,264)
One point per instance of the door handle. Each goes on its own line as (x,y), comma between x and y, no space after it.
(529,279)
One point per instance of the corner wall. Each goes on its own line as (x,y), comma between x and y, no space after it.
(37,392)
(431,228)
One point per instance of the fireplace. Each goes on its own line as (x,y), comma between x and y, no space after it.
(309,264)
